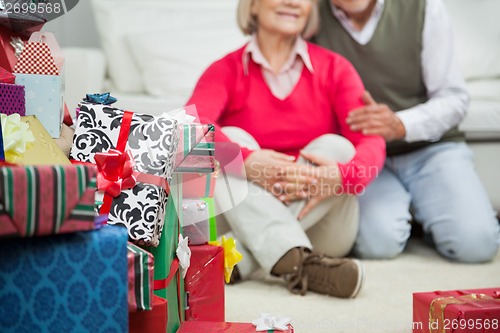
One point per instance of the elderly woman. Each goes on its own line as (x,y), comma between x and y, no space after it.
(285,102)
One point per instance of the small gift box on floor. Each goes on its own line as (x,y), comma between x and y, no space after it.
(198,222)
(265,323)
(66,283)
(40,69)
(140,278)
(44,200)
(135,162)
(457,311)
(154,321)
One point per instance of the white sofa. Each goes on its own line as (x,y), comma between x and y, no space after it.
(154,50)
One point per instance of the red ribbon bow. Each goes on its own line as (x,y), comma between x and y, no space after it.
(115,171)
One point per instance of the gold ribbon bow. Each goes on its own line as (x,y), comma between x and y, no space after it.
(231,255)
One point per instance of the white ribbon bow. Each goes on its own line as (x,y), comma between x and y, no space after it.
(267,322)
(184,254)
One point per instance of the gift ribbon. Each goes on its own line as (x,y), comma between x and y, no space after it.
(163,283)
(114,181)
(231,255)
(183,254)
(17,137)
(18,45)
(115,171)
(438,306)
(104,98)
(268,323)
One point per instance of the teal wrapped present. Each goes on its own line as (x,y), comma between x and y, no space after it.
(65,283)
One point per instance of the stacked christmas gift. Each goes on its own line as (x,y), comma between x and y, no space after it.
(60,269)
(136,156)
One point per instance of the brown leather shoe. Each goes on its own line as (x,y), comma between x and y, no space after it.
(305,270)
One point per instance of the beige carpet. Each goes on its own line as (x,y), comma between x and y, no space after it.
(384,304)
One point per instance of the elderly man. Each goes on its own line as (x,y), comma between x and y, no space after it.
(404,53)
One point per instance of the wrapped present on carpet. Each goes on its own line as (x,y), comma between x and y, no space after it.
(66,283)
(457,311)
(140,278)
(204,284)
(27,142)
(265,323)
(40,69)
(199,222)
(135,163)
(44,200)
(154,321)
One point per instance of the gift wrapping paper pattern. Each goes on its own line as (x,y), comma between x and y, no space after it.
(152,142)
(44,200)
(196,148)
(12,99)
(140,278)
(44,151)
(36,58)
(44,99)
(65,283)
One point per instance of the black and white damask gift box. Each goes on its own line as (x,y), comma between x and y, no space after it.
(135,192)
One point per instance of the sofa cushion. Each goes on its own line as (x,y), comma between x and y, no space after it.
(168,26)
(172,61)
(482,121)
(477,35)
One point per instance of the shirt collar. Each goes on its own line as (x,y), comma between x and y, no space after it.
(300,49)
(340,14)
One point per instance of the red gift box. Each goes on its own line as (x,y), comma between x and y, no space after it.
(457,311)
(211,327)
(154,321)
(204,284)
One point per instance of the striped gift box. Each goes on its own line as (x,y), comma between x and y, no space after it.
(140,278)
(44,200)
(195,152)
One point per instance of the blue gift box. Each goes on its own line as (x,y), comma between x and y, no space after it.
(65,283)
(44,99)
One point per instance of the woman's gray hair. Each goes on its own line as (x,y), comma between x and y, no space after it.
(248,23)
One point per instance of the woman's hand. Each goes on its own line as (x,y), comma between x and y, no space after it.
(270,169)
(329,182)
(314,182)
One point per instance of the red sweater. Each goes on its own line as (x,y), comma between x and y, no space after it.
(319,104)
